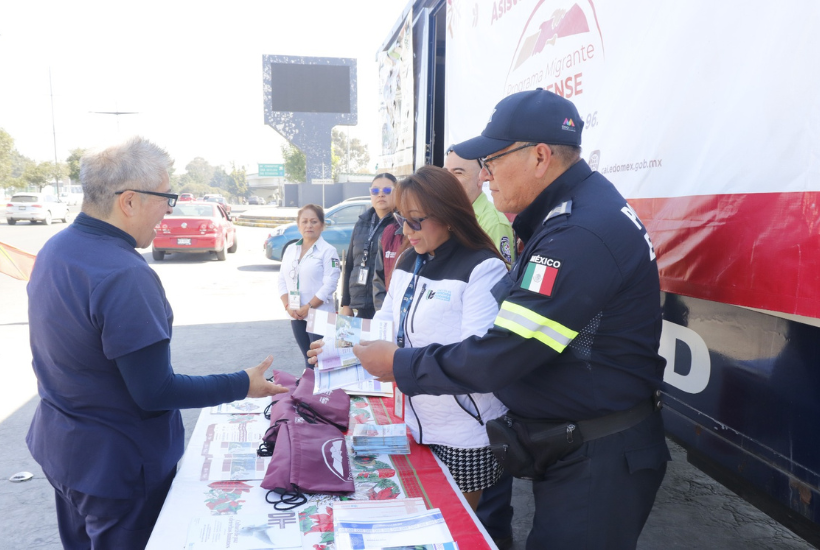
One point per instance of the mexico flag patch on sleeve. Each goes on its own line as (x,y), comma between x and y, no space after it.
(540,274)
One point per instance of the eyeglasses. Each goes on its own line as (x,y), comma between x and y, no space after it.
(386,190)
(172,198)
(484,161)
(412,223)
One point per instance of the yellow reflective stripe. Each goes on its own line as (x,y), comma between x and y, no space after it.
(528,324)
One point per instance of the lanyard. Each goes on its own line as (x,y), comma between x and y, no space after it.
(374,226)
(407,300)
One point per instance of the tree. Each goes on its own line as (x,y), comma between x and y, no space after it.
(73,161)
(295,169)
(38,175)
(359,158)
(237,184)
(6,148)
(356,163)
(198,171)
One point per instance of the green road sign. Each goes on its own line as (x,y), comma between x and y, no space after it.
(271,170)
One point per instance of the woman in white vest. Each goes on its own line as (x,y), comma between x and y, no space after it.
(440,293)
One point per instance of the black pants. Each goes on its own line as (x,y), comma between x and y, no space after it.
(303,338)
(600,495)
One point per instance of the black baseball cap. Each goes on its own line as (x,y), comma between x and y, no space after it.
(537,116)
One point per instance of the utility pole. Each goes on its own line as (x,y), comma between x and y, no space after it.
(54,132)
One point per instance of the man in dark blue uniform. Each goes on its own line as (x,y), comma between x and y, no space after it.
(577,334)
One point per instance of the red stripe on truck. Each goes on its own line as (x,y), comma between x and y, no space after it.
(758,250)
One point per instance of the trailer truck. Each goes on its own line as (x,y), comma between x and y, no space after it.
(706,116)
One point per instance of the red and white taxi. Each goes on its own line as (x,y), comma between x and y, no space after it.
(195,227)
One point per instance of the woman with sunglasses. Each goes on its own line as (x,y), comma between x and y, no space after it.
(441,293)
(308,274)
(357,280)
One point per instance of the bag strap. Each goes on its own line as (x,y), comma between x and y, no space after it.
(266,447)
(311,415)
(288,499)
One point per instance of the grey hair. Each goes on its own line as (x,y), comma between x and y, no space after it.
(567,154)
(135,164)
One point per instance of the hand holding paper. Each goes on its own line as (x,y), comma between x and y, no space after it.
(377,358)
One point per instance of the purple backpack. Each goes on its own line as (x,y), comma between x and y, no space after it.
(307,458)
(331,407)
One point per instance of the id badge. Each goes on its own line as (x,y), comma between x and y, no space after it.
(363,275)
(293,300)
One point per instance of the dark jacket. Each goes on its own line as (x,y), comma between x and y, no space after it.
(389,246)
(361,254)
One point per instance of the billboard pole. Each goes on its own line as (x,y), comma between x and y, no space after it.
(304,98)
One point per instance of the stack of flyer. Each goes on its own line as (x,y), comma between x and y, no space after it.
(377,439)
(337,366)
(389,524)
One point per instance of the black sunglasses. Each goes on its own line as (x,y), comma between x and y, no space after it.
(483,161)
(386,190)
(412,223)
(172,198)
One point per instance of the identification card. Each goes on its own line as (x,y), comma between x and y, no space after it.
(293,300)
(363,275)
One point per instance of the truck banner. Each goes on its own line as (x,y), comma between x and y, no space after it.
(396,102)
(705,115)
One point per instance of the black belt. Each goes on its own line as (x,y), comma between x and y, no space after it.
(618,421)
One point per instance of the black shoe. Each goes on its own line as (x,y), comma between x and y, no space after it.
(505,543)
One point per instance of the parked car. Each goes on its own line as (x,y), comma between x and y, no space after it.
(256,200)
(221,200)
(72,195)
(186,197)
(195,227)
(339,222)
(35,207)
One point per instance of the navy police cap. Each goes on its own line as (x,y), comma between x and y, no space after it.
(537,116)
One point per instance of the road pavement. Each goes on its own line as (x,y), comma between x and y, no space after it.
(228,317)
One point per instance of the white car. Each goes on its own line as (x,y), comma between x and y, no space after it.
(35,207)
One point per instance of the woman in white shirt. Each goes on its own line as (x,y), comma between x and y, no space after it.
(308,274)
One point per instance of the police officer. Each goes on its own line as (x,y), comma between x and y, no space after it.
(577,334)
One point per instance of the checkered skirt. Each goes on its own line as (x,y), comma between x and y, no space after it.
(472,469)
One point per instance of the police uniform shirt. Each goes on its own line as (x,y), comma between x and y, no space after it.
(578,330)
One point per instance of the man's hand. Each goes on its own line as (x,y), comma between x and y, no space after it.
(377,358)
(259,385)
(346,310)
(315,349)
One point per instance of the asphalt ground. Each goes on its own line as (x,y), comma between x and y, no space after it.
(228,317)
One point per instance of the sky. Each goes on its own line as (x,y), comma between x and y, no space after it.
(192,70)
